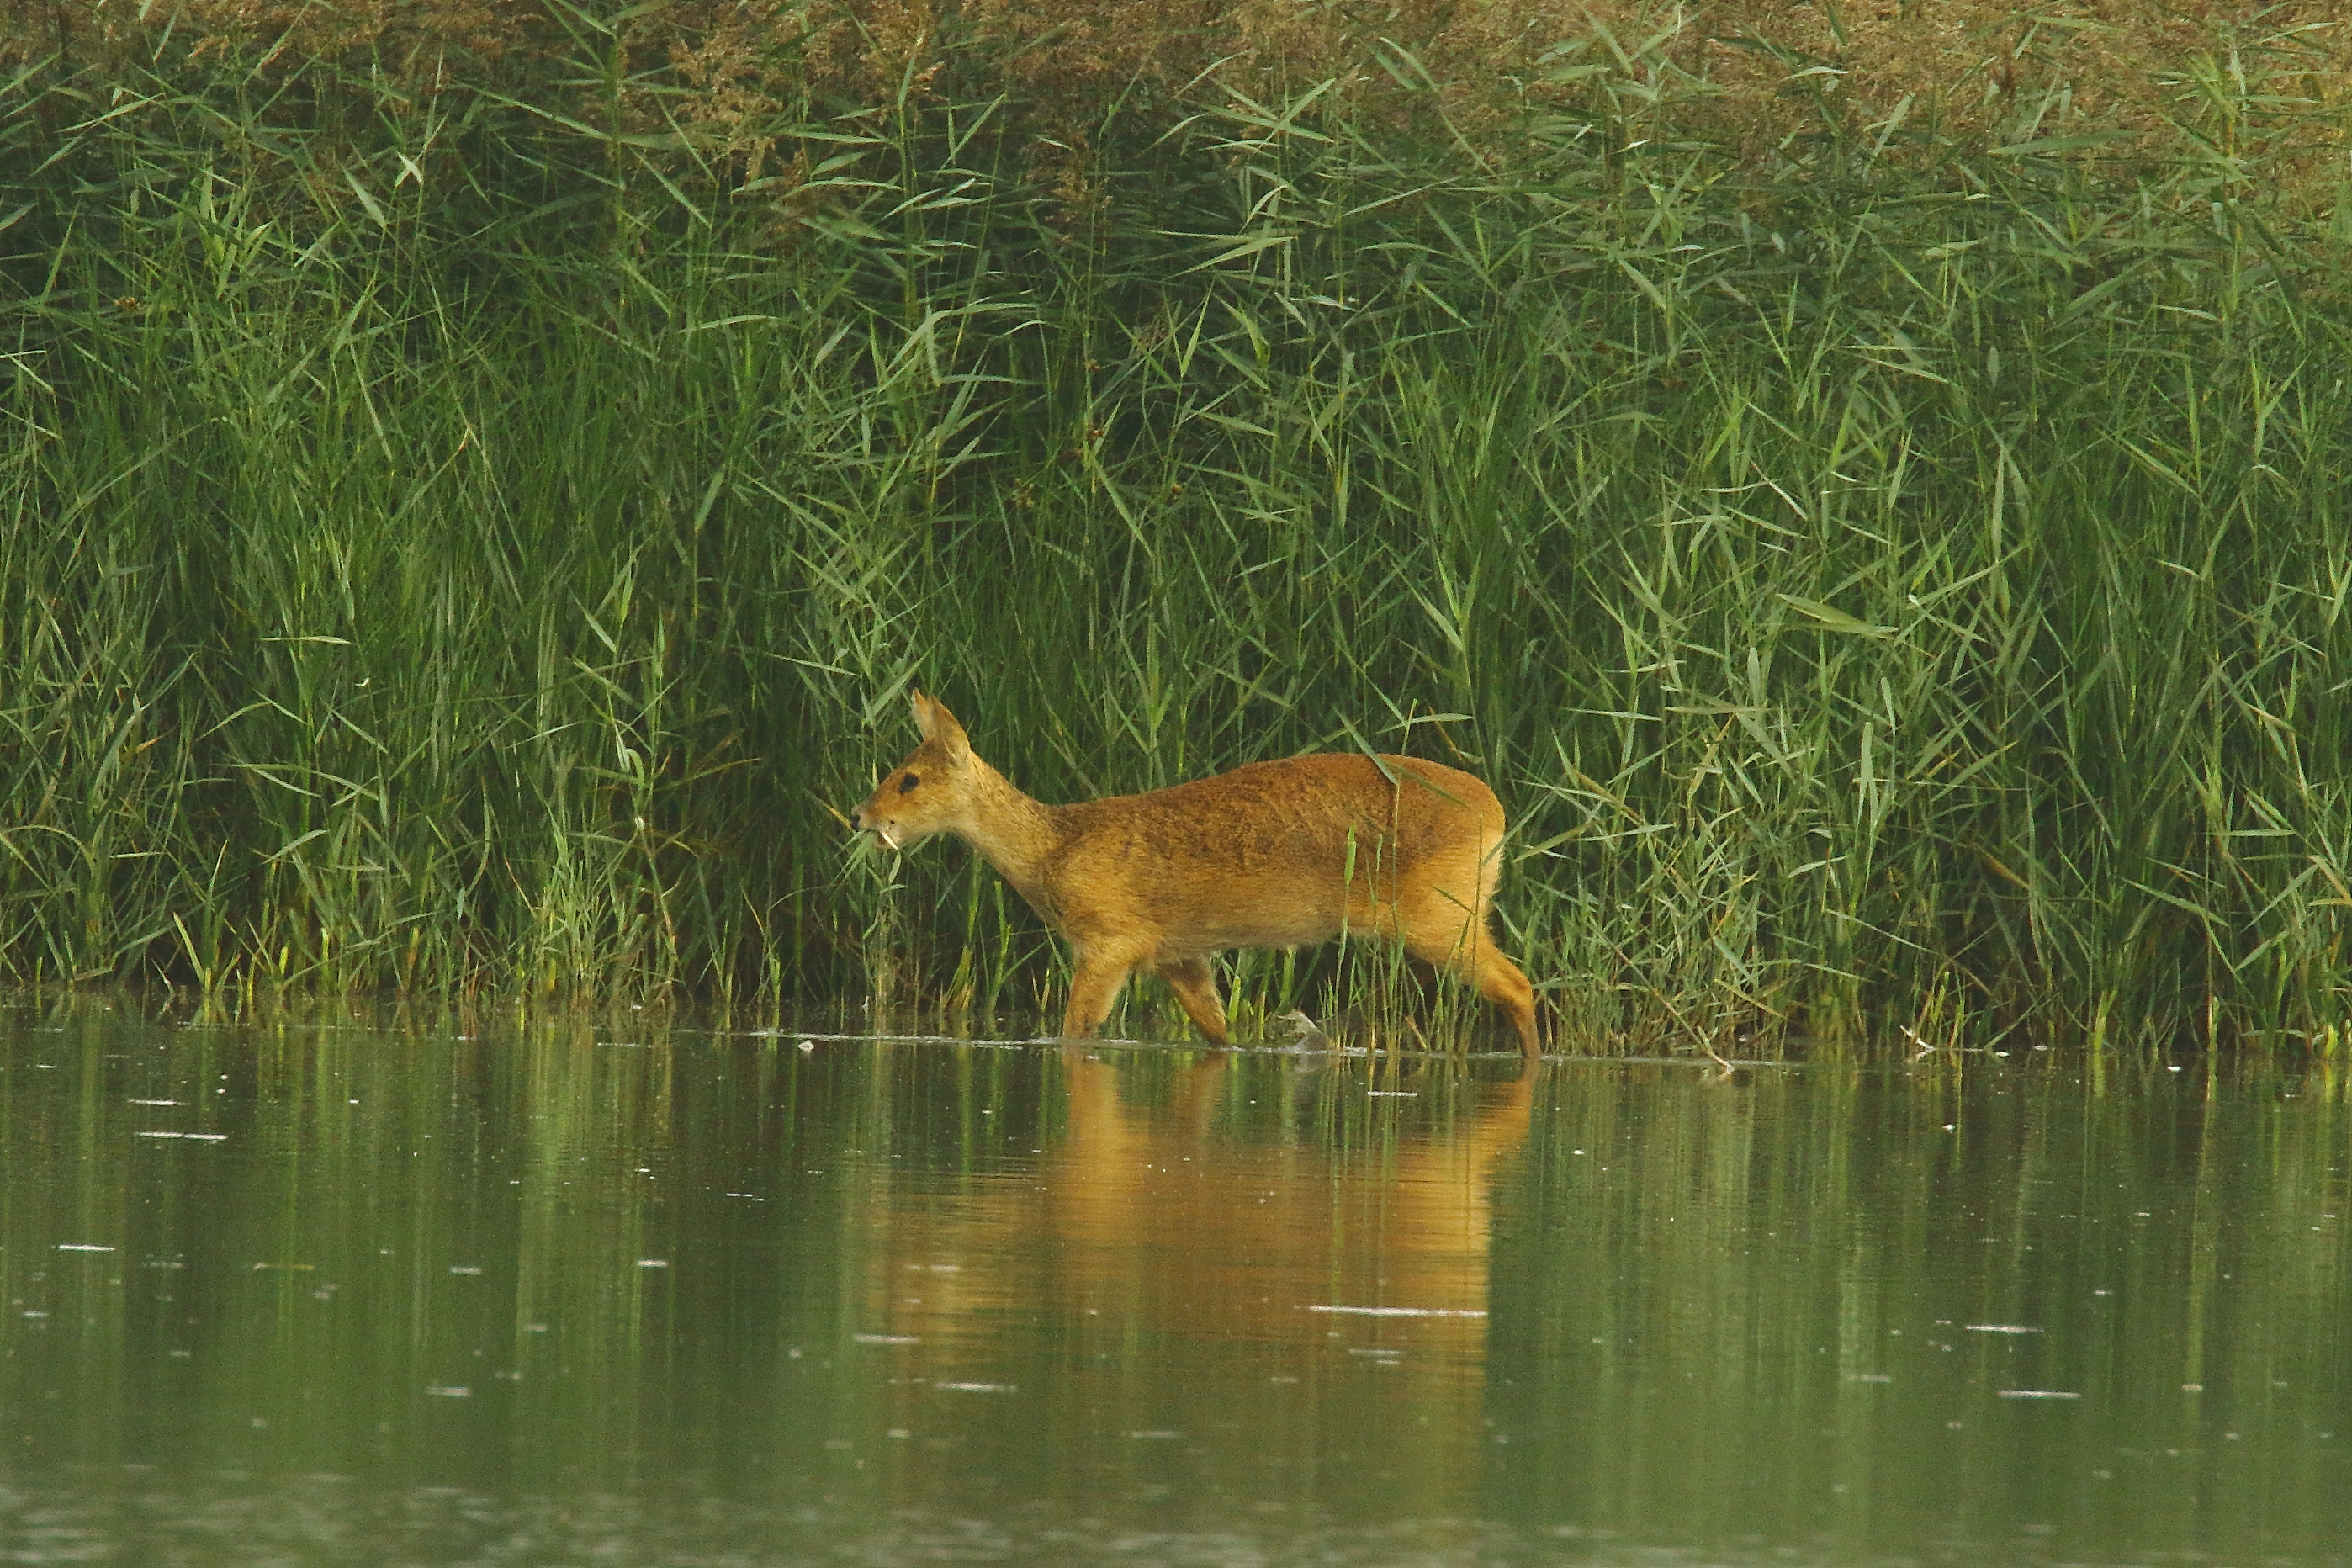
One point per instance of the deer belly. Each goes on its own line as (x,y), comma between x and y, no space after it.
(1248,912)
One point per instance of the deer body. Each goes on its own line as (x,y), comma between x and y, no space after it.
(1275,854)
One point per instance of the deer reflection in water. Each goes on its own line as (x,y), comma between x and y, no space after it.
(1174,1267)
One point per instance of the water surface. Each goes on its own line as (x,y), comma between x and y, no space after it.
(322,1292)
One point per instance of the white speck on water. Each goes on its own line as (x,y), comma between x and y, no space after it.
(897,1432)
(2039,1394)
(887,1339)
(2000,1329)
(1391,1094)
(82,1246)
(2192,1388)
(464,1269)
(808,1045)
(978,1387)
(653,1262)
(36,1314)
(1148,1436)
(1869,1377)
(1400,1311)
(157,1102)
(2172,1066)
(442,1390)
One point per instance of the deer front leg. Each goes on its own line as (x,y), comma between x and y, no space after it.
(1092,991)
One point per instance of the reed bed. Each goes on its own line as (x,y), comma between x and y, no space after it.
(454,546)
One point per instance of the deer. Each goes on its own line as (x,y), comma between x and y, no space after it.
(1282,854)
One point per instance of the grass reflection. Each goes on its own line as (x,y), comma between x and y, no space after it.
(550,1264)
(1772,1310)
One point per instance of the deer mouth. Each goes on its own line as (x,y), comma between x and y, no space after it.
(889,839)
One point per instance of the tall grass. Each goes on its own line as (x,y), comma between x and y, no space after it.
(452,547)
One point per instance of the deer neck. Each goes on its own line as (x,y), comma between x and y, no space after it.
(1012,833)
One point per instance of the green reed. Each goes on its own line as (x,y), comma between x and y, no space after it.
(459,549)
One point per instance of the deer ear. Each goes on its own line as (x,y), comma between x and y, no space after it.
(932,718)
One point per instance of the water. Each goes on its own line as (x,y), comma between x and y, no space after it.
(577,1294)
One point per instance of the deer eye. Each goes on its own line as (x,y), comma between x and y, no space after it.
(906,785)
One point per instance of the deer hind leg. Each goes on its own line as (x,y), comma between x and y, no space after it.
(1507,985)
(1195,984)
(1443,934)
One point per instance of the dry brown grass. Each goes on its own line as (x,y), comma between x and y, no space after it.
(1927,78)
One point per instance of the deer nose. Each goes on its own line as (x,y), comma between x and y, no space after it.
(857,819)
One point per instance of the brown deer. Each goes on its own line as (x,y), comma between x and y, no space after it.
(1279,854)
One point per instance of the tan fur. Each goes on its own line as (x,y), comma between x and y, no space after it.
(1281,854)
